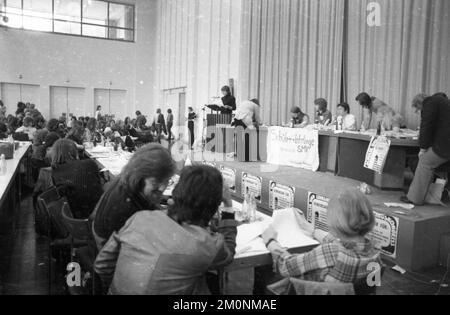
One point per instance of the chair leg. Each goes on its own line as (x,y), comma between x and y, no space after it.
(49,268)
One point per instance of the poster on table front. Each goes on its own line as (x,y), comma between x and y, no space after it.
(385,234)
(251,184)
(377,153)
(293,147)
(281,196)
(317,211)
(229,177)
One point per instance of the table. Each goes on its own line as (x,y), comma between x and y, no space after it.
(250,260)
(347,151)
(10,188)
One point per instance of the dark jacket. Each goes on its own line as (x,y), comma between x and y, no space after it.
(435,126)
(115,207)
(155,255)
(80,183)
(229,100)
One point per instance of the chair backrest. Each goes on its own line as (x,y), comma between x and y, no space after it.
(78,229)
(48,214)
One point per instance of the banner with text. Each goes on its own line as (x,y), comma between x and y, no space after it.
(293,147)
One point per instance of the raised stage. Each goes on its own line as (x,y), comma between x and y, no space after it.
(419,231)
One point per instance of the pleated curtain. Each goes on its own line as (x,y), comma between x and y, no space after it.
(291,54)
(406,55)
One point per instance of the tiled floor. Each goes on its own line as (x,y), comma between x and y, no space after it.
(23,266)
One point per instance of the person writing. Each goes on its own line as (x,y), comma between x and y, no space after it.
(434,141)
(376,112)
(298,118)
(345,120)
(247,114)
(323,115)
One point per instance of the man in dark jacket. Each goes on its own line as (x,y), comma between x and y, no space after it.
(434,145)
(139,187)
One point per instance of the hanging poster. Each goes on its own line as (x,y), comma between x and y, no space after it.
(280,196)
(251,185)
(377,154)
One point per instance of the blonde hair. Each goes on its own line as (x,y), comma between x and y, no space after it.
(350,215)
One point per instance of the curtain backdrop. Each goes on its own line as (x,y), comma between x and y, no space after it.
(291,54)
(406,55)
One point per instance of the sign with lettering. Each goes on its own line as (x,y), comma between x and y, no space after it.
(281,196)
(294,147)
(251,184)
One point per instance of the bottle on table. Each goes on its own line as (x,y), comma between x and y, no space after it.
(379,129)
(3,165)
(251,208)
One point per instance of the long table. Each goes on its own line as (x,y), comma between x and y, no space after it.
(344,154)
(10,189)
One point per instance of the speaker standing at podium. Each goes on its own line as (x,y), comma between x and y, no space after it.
(228,100)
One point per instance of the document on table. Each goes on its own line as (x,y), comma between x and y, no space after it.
(290,235)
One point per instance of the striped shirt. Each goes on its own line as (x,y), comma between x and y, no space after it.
(333,261)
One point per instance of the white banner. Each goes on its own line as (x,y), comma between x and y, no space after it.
(293,147)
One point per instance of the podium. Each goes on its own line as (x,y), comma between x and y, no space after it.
(251,144)
(224,142)
(213,119)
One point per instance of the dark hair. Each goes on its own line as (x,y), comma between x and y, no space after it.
(296,110)
(38,120)
(345,107)
(28,121)
(440,94)
(1,103)
(91,124)
(3,128)
(63,151)
(197,196)
(53,125)
(76,134)
(158,111)
(138,113)
(50,139)
(98,107)
(226,89)
(322,103)
(364,100)
(150,161)
(169,111)
(141,121)
(256,101)
(190,108)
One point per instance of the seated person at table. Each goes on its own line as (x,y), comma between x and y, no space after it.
(344,254)
(3,131)
(434,141)
(27,128)
(39,155)
(298,118)
(345,119)
(79,181)
(76,135)
(323,115)
(169,254)
(139,186)
(376,111)
(247,114)
(90,132)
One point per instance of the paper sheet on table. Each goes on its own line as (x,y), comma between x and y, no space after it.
(99,149)
(248,240)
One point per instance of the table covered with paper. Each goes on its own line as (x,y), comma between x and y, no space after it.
(250,248)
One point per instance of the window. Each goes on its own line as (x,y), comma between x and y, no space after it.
(90,18)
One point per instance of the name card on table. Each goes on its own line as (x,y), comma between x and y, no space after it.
(293,147)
